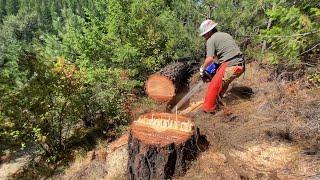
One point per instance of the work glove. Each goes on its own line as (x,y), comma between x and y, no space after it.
(203,76)
(201,71)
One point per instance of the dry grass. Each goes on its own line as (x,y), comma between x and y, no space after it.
(268,136)
(86,166)
(272,135)
(107,161)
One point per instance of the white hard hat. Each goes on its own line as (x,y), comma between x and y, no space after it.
(206,26)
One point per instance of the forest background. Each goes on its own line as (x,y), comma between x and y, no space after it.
(71,68)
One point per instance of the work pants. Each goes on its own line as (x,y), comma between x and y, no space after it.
(219,85)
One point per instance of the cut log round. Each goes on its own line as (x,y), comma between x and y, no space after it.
(161,146)
(160,88)
(164,85)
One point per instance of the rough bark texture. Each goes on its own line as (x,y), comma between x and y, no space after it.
(177,72)
(160,154)
(164,85)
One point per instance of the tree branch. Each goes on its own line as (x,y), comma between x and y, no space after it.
(293,35)
(309,49)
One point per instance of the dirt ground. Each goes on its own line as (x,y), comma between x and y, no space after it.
(273,134)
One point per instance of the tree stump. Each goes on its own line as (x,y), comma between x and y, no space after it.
(164,85)
(161,146)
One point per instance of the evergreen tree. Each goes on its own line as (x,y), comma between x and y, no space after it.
(12,7)
(3,12)
(65,62)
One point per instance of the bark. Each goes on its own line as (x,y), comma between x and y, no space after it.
(163,154)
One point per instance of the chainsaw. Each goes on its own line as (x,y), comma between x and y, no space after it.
(207,75)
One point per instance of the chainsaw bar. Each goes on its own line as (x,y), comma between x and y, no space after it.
(187,96)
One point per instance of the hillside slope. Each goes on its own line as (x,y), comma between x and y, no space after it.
(273,134)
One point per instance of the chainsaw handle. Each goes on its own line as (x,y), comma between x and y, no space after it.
(206,77)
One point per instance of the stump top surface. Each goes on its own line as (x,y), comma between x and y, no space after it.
(162,129)
(160,88)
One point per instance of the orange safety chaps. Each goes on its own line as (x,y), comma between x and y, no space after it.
(219,85)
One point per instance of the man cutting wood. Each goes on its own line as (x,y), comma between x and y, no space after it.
(221,49)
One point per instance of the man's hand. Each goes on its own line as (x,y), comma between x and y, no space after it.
(209,60)
(204,76)
(201,71)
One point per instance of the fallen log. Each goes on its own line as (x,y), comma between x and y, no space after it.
(161,146)
(164,85)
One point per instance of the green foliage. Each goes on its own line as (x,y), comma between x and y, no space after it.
(290,33)
(294,29)
(16,34)
(11,7)
(65,67)
(125,36)
(69,65)
(239,18)
(315,79)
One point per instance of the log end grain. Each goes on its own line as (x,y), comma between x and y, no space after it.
(160,88)
(162,129)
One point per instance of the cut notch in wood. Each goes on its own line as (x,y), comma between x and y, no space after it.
(160,124)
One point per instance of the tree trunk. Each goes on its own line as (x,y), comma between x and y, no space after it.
(161,146)
(164,85)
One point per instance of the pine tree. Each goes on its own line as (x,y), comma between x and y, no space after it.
(12,7)
(3,12)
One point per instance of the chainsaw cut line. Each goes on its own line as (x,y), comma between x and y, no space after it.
(162,128)
(160,124)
